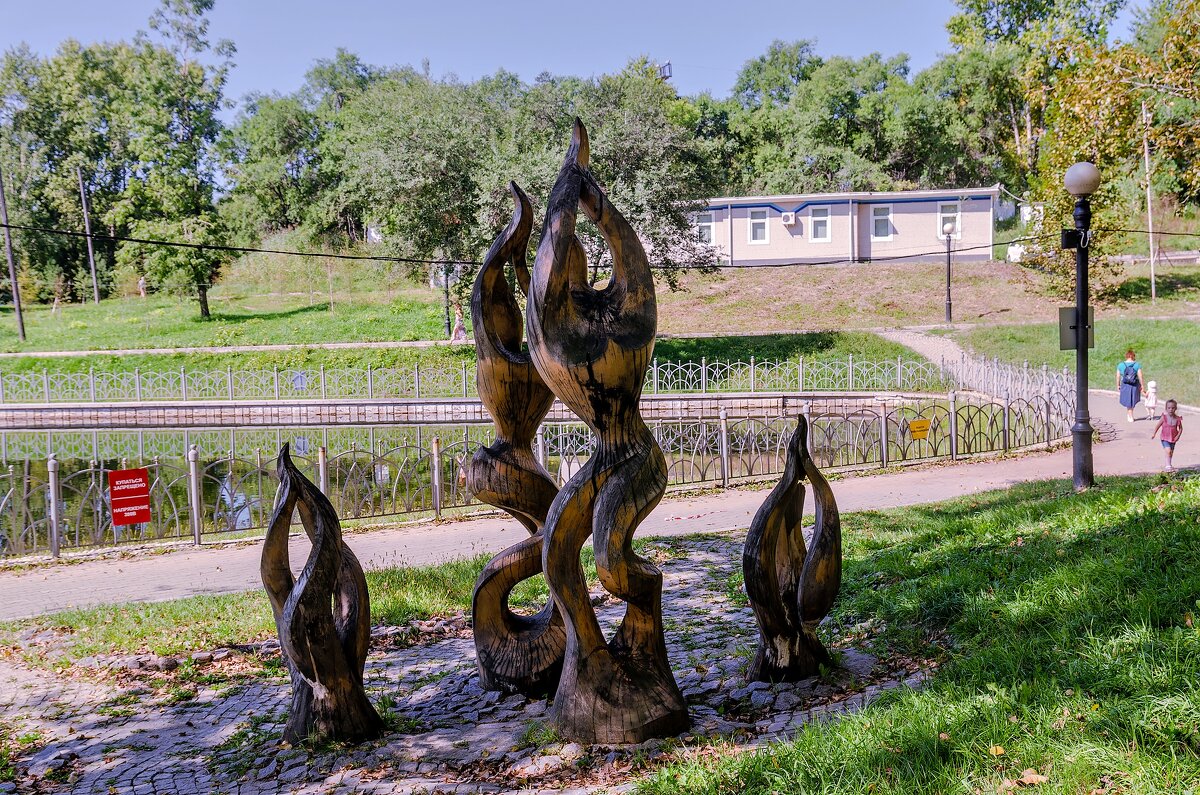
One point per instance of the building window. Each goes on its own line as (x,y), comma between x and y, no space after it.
(704,227)
(818,225)
(948,213)
(881,222)
(757,230)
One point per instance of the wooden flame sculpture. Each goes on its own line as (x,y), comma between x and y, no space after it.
(513,652)
(592,348)
(791,587)
(323,618)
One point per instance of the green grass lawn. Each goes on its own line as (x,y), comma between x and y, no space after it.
(823,345)
(1167,349)
(164,322)
(1066,629)
(1068,634)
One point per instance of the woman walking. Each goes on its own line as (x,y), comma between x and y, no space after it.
(1130,383)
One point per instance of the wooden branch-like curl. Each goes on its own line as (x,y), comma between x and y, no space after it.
(791,588)
(513,653)
(323,618)
(592,348)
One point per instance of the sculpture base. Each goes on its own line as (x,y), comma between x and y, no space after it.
(614,700)
(789,659)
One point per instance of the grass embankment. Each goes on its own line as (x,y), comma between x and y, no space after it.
(890,295)
(824,345)
(1167,350)
(168,322)
(282,302)
(1067,630)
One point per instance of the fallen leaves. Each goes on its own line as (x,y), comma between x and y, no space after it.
(1029,778)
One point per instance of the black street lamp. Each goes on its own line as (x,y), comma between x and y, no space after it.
(948,231)
(1081,181)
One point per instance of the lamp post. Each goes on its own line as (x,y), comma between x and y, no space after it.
(1081,181)
(446,287)
(948,231)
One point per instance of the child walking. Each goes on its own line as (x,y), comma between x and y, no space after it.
(1171,425)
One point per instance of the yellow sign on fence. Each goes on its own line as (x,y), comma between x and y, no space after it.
(918,428)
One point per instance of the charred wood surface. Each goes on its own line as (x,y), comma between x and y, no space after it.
(592,348)
(791,585)
(513,652)
(323,617)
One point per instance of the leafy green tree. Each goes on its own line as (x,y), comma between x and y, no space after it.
(773,76)
(176,128)
(1021,38)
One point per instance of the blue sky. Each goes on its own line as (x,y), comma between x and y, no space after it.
(706,41)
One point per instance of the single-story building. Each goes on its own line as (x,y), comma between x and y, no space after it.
(850,227)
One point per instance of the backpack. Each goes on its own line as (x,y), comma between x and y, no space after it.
(1129,374)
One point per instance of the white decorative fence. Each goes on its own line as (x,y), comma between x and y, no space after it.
(416,382)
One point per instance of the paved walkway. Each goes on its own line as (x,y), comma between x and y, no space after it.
(228,569)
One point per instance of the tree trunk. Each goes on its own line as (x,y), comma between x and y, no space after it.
(592,348)
(323,619)
(792,588)
(514,653)
(202,295)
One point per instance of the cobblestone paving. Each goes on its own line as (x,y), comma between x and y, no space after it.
(446,733)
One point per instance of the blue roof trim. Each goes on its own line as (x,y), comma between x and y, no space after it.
(829,202)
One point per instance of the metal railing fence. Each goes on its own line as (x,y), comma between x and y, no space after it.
(207,493)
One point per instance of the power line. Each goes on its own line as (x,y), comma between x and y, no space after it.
(1156,232)
(234,249)
(419,261)
(941,252)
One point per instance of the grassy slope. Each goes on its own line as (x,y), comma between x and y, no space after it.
(827,345)
(1167,349)
(1062,624)
(162,322)
(373,306)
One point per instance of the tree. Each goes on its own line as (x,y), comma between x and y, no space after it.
(1021,37)
(177,127)
(773,76)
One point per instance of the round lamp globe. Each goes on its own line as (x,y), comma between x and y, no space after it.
(1082,179)
(948,228)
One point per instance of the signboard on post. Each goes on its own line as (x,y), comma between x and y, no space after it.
(919,428)
(1066,328)
(129,493)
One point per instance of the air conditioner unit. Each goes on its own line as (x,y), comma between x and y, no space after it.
(789,219)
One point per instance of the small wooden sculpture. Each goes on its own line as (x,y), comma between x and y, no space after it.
(791,588)
(592,348)
(323,618)
(513,653)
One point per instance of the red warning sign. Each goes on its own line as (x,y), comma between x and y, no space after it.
(129,492)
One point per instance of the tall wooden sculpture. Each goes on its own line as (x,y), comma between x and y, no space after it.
(791,587)
(592,348)
(323,618)
(514,653)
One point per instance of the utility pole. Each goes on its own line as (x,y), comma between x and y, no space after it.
(12,267)
(87,228)
(1149,197)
